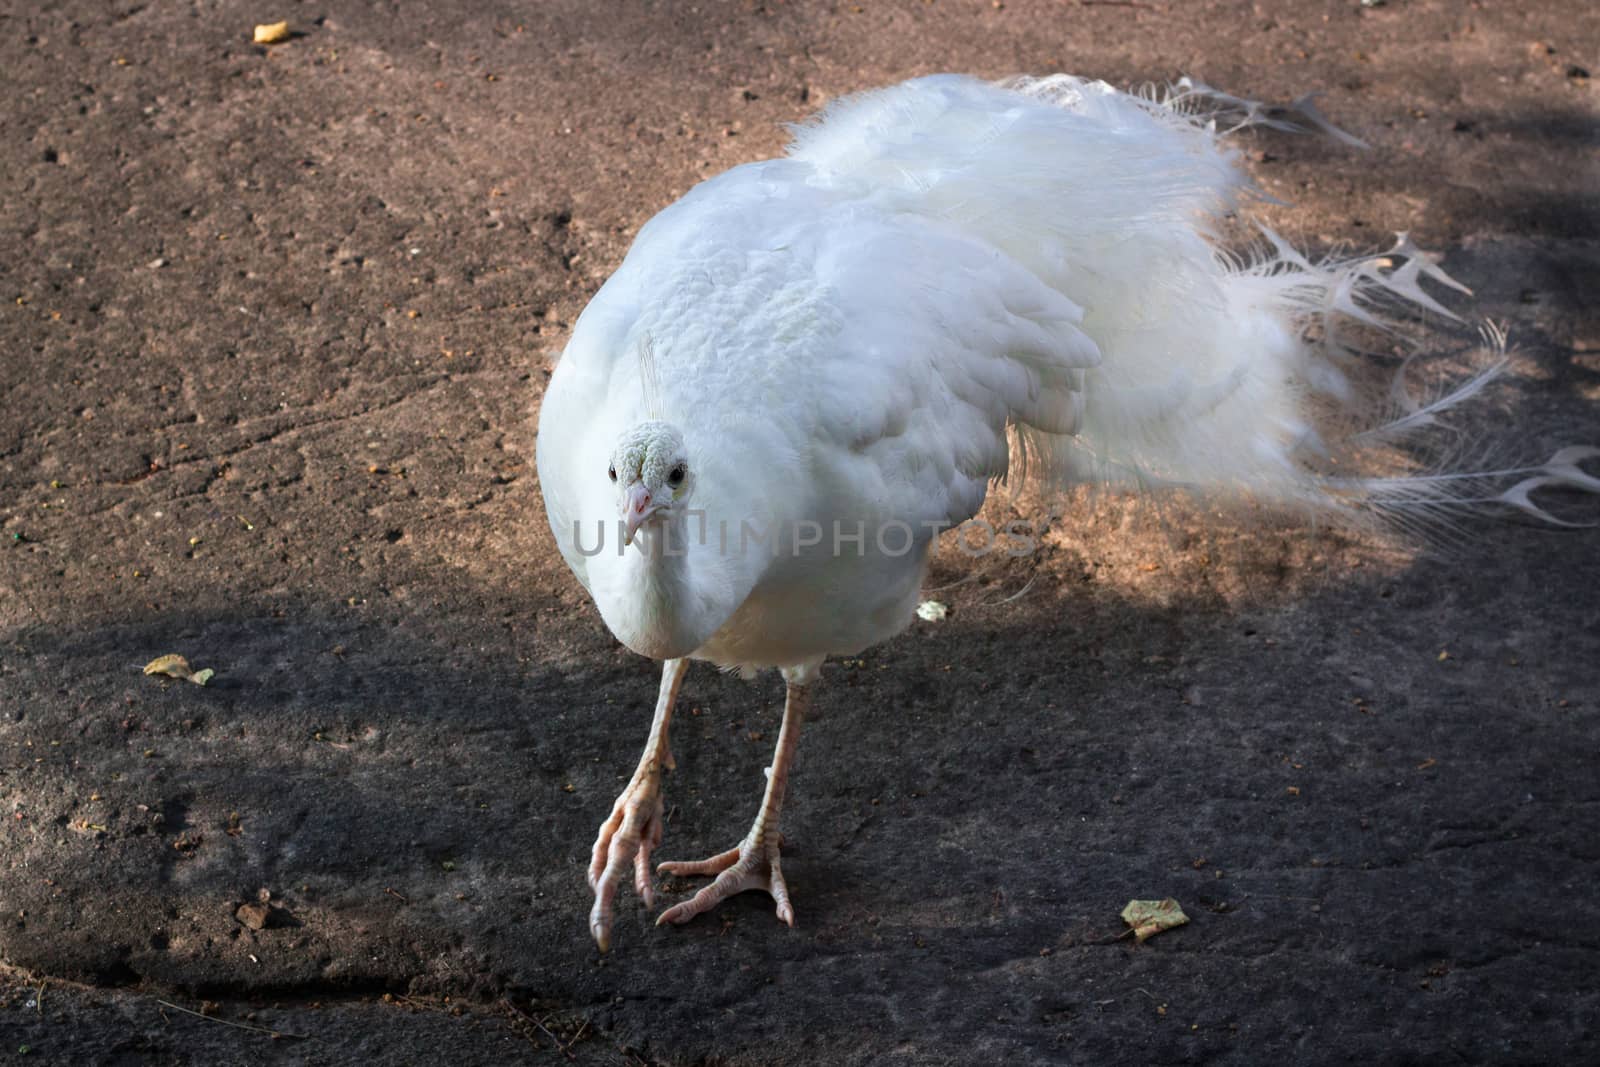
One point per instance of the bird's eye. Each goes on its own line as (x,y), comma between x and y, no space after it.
(676,477)
(613,472)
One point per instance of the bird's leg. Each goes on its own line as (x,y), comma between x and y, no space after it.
(754,863)
(636,822)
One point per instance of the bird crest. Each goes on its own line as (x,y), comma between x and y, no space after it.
(649,383)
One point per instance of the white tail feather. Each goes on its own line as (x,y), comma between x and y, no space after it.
(1212,364)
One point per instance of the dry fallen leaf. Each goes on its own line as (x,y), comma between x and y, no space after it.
(272,32)
(175,666)
(1150,917)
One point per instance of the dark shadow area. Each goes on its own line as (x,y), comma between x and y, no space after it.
(972,808)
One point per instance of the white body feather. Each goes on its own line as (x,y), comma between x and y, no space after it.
(849,336)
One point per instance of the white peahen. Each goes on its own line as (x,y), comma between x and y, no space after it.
(808,367)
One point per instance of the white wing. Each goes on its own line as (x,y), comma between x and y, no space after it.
(852,362)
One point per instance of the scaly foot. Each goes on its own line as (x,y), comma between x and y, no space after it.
(637,820)
(633,830)
(753,865)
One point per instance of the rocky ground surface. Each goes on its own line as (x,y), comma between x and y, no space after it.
(275,325)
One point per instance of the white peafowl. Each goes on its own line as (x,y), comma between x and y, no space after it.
(808,367)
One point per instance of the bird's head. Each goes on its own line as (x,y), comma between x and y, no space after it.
(650,468)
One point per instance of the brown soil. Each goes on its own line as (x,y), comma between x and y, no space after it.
(274,329)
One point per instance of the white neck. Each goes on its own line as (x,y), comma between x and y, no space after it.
(666,598)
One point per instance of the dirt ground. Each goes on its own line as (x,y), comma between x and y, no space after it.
(274,330)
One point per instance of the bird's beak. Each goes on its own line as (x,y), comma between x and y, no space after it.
(637,511)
